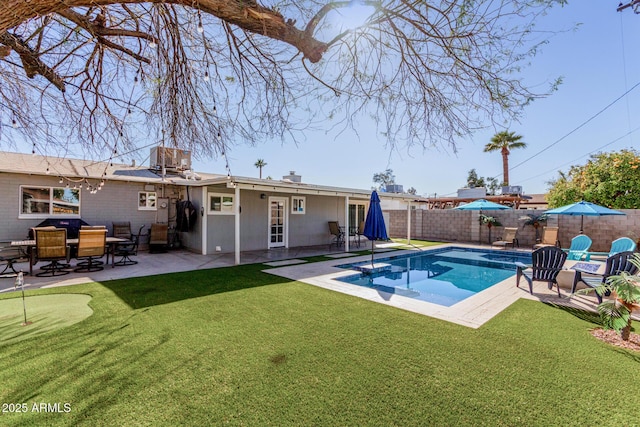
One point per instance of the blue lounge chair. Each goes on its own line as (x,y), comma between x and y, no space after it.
(579,247)
(623,244)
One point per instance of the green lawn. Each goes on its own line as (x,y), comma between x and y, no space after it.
(240,347)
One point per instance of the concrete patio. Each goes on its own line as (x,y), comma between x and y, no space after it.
(161,263)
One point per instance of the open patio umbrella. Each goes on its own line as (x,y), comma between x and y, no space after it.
(483,205)
(583,209)
(374,228)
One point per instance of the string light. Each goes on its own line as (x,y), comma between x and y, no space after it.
(206,79)
(200,27)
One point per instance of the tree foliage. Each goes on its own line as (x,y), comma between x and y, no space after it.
(608,179)
(200,74)
(384,178)
(473,181)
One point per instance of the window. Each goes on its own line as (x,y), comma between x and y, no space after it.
(47,201)
(298,205)
(221,204)
(147,201)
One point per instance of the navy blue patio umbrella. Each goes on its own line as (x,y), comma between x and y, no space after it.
(583,209)
(374,228)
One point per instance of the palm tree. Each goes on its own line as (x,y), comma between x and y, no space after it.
(505,141)
(616,312)
(260,164)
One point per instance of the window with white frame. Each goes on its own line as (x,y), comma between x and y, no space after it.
(49,201)
(298,205)
(221,204)
(147,201)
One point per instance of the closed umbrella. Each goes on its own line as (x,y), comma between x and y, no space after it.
(583,209)
(374,228)
(483,205)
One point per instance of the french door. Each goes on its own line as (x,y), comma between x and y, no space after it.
(277,222)
(357,214)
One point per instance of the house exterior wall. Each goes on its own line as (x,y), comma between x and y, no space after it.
(117,201)
(306,229)
(192,240)
(463,226)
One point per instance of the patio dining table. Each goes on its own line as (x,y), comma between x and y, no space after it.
(31,243)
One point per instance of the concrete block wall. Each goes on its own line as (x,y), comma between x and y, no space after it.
(602,230)
(463,226)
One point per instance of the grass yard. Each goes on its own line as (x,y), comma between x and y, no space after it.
(235,346)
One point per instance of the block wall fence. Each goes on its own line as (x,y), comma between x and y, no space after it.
(463,226)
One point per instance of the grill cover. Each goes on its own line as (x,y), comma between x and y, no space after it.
(71,224)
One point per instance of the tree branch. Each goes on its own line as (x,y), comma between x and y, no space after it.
(30,61)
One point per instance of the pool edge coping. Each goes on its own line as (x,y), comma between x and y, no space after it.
(472,312)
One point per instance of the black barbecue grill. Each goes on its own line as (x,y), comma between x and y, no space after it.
(71,224)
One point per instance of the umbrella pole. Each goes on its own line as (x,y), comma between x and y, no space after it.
(372,253)
(581,224)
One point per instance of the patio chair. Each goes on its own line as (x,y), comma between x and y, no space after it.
(159,238)
(579,247)
(122,230)
(337,235)
(546,264)
(51,245)
(509,238)
(9,255)
(549,238)
(622,244)
(126,250)
(359,233)
(616,264)
(91,247)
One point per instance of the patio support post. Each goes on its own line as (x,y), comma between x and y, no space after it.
(203,218)
(409,223)
(237,225)
(347,226)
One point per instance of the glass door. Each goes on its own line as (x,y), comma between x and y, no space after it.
(277,222)
(357,214)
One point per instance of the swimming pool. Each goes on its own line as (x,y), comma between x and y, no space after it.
(441,276)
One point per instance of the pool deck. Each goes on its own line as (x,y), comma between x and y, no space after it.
(472,312)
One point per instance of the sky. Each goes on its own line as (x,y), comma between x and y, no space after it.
(598,62)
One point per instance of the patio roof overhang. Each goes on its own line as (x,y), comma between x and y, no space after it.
(288,187)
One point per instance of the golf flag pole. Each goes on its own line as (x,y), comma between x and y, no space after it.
(20,282)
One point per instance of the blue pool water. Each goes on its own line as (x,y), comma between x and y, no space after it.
(442,276)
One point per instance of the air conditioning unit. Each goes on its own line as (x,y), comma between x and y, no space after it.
(394,188)
(170,158)
(514,190)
